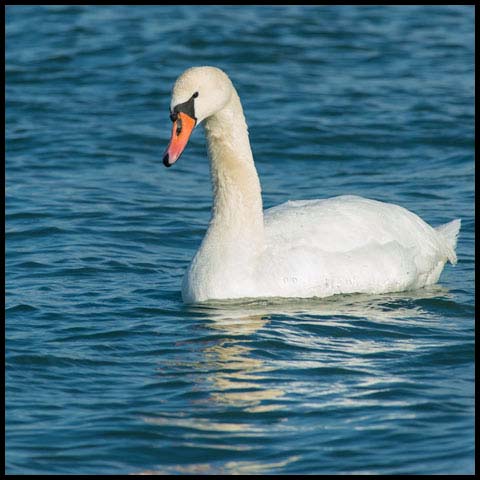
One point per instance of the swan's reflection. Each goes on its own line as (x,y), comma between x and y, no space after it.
(240,373)
(244,467)
(238,317)
(237,375)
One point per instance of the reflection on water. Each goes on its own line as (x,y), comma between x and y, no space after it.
(336,341)
(229,468)
(242,317)
(333,333)
(237,374)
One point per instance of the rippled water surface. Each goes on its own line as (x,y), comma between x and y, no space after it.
(107,370)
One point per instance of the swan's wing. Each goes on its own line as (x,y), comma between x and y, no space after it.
(348,223)
(349,244)
(309,271)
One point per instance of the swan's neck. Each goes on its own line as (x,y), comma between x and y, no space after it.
(237,214)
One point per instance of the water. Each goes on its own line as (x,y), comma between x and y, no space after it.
(107,370)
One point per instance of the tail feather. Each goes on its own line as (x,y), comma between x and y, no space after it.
(449,232)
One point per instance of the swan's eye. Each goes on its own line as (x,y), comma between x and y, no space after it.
(188,108)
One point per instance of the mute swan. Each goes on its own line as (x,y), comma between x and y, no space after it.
(313,248)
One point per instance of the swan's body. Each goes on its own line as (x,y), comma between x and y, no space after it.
(314,248)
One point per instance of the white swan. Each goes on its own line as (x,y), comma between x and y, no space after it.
(313,248)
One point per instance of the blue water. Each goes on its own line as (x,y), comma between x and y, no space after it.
(107,370)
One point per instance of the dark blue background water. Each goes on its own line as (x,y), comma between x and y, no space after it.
(107,370)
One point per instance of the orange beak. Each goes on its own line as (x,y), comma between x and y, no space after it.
(181,131)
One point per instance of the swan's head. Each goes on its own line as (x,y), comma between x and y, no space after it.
(198,93)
